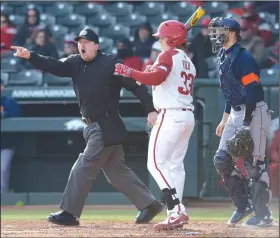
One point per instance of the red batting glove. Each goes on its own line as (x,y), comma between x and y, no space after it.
(123,70)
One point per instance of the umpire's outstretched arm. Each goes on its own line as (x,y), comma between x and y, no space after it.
(62,67)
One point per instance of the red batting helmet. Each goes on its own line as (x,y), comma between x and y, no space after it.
(175,31)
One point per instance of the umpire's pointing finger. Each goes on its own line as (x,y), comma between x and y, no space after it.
(16,47)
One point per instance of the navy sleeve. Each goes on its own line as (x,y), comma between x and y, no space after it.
(227,108)
(62,68)
(248,71)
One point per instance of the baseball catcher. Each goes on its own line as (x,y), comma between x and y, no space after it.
(244,126)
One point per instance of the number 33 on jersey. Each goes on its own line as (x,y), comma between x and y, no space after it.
(176,90)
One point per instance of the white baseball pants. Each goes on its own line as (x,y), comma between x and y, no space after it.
(168,145)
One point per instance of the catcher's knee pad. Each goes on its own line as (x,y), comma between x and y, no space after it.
(223,163)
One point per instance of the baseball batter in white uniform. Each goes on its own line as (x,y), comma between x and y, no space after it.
(172,77)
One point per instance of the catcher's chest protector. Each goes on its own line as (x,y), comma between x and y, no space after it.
(232,87)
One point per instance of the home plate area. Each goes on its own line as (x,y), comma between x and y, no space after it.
(95,228)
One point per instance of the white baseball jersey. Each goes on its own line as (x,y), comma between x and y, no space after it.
(176,90)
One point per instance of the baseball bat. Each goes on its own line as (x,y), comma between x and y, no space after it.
(198,14)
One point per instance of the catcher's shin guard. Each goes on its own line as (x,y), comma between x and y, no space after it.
(261,194)
(237,192)
(232,178)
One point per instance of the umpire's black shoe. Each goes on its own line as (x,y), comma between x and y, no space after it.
(63,218)
(148,213)
(238,216)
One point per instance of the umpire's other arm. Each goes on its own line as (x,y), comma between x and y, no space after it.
(94,82)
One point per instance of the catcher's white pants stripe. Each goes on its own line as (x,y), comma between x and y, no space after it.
(167,148)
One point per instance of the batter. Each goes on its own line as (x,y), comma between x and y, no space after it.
(172,77)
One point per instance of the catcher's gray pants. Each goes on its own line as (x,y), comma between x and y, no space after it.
(110,160)
(259,128)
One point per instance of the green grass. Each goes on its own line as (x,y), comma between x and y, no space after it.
(120,214)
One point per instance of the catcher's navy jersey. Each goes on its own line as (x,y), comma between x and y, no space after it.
(239,77)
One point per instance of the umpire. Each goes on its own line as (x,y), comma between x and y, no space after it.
(98,94)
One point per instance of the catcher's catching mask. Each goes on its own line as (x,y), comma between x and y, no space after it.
(217,33)
(219,29)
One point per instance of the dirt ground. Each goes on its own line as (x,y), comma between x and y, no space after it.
(128,229)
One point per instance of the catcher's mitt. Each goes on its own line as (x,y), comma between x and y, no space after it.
(241,144)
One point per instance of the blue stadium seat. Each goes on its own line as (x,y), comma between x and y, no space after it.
(213,74)
(47,19)
(119,8)
(154,28)
(236,4)
(216,8)
(32,77)
(132,20)
(234,15)
(88,9)
(275,32)
(150,8)
(211,62)
(6,9)
(115,32)
(16,3)
(269,73)
(182,9)
(71,21)
(21,10)
(17,19)
(102,20)
(59,43)
(52,80)
(114,51)
(45,3)
(106,44)
(58,31)
(11,65)
(79,29)
(60,9)
(9,55)
(156,20)
(268,17)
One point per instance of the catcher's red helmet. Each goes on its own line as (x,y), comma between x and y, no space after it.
(175,31)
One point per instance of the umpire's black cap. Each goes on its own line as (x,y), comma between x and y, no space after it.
(88,34)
